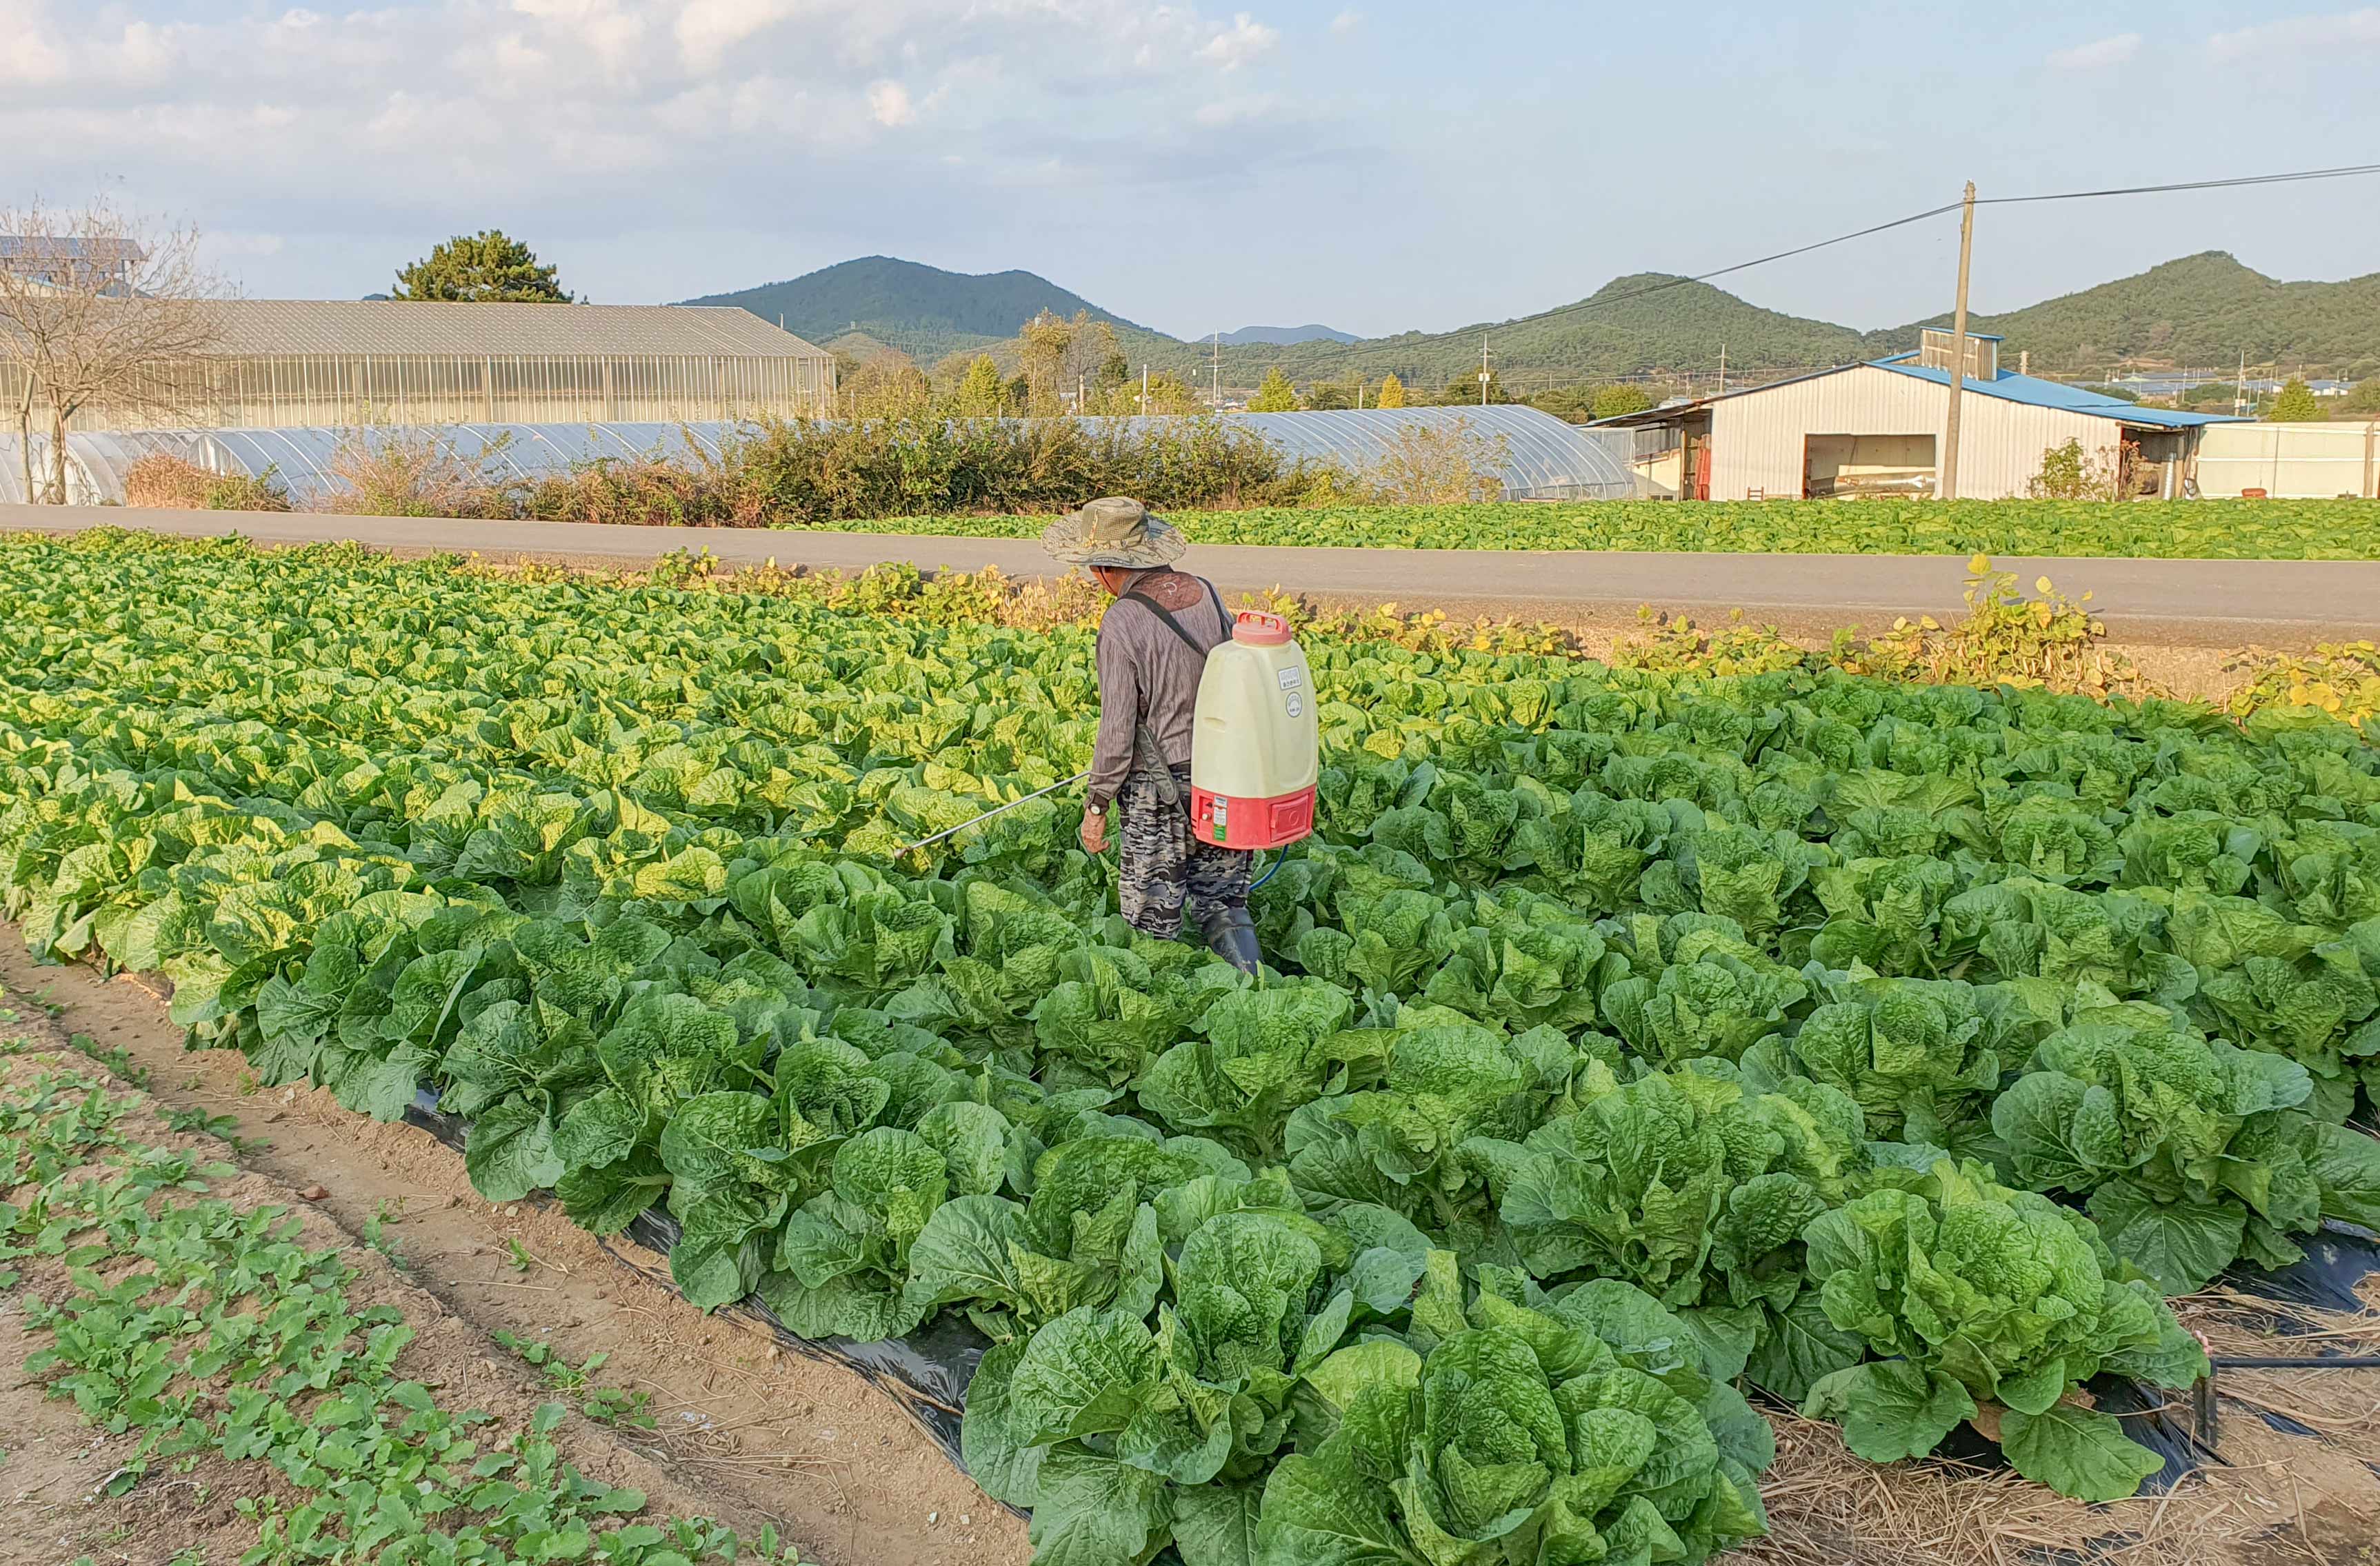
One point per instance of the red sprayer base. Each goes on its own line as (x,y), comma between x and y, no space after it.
(1251,823)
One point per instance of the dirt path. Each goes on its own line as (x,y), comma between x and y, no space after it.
(2289,604)
(748,1431)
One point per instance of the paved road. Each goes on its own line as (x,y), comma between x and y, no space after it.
(2185,603)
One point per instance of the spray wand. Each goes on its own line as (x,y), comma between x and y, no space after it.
(995,810)
(1062,782)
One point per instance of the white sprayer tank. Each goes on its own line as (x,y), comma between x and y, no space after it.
(1256,749)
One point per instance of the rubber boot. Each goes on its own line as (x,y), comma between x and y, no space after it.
(1231,935)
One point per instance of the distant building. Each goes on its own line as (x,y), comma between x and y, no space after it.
(72,261)
(2173,385)
(282,363)
(1875,430)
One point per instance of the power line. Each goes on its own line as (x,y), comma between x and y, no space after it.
(1740,266)
(2348,171)
(2294,176)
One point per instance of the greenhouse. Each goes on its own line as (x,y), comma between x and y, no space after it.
(302,460)
(295,363)
(1533,454)
(1539,456)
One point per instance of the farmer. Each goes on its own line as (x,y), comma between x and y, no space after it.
(1153,644)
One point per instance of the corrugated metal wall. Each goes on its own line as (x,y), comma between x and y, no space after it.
(1757,438)
(2296,461)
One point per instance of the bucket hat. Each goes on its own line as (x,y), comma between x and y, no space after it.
(1114,532)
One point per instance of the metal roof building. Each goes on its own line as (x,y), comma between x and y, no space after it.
(1875,429)
(282,363)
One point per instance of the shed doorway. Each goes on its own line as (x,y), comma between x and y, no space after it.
(1849,466)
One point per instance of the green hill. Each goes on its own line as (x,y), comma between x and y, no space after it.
(2199,310)
(1631,324)
(923,310)
(2203,311)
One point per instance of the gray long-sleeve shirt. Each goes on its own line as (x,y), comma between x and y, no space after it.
(1148,676)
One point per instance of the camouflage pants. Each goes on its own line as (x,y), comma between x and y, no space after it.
(1161,862)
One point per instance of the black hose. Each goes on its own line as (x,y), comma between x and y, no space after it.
(2266,1362)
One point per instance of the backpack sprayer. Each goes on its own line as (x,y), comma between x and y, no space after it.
(1256,743)
(1256,747)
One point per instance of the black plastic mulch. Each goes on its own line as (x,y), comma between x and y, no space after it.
(926,1372)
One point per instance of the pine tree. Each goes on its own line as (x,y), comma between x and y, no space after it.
(479,268)
(2296,404)
(1392,393)
(980,391)
(1276,395)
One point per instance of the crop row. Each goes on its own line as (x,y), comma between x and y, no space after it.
(188,1327)
(1635,1037)
(2300,529)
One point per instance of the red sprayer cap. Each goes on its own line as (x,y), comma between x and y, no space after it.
(1260,629)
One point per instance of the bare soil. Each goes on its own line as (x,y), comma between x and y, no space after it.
(747,1432)
(57,1508)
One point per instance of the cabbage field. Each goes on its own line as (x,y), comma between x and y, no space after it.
(2197,529)
(1643,1046)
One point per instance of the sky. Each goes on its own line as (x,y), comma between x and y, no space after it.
(1374,166)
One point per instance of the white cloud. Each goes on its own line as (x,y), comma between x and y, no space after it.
(2296,40)
(1346,21)
(888,104)
(26,57)
(246,244)
(1243,40)
(708,29)
(1235,111)
(2098,54)
(575,120)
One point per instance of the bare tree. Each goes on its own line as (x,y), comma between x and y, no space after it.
(1439,465)
(99,307)
(1043,344)
(1058,355)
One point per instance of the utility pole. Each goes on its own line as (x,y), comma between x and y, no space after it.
(1144,388)
(1949,464)
(1722,369)
(2239,393)
(1482,369)
(1216,393)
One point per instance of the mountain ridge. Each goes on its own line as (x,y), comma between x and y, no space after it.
(1283,336)
(2202,309)
(924,310)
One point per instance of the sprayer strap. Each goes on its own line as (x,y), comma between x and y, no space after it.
(1176,626)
